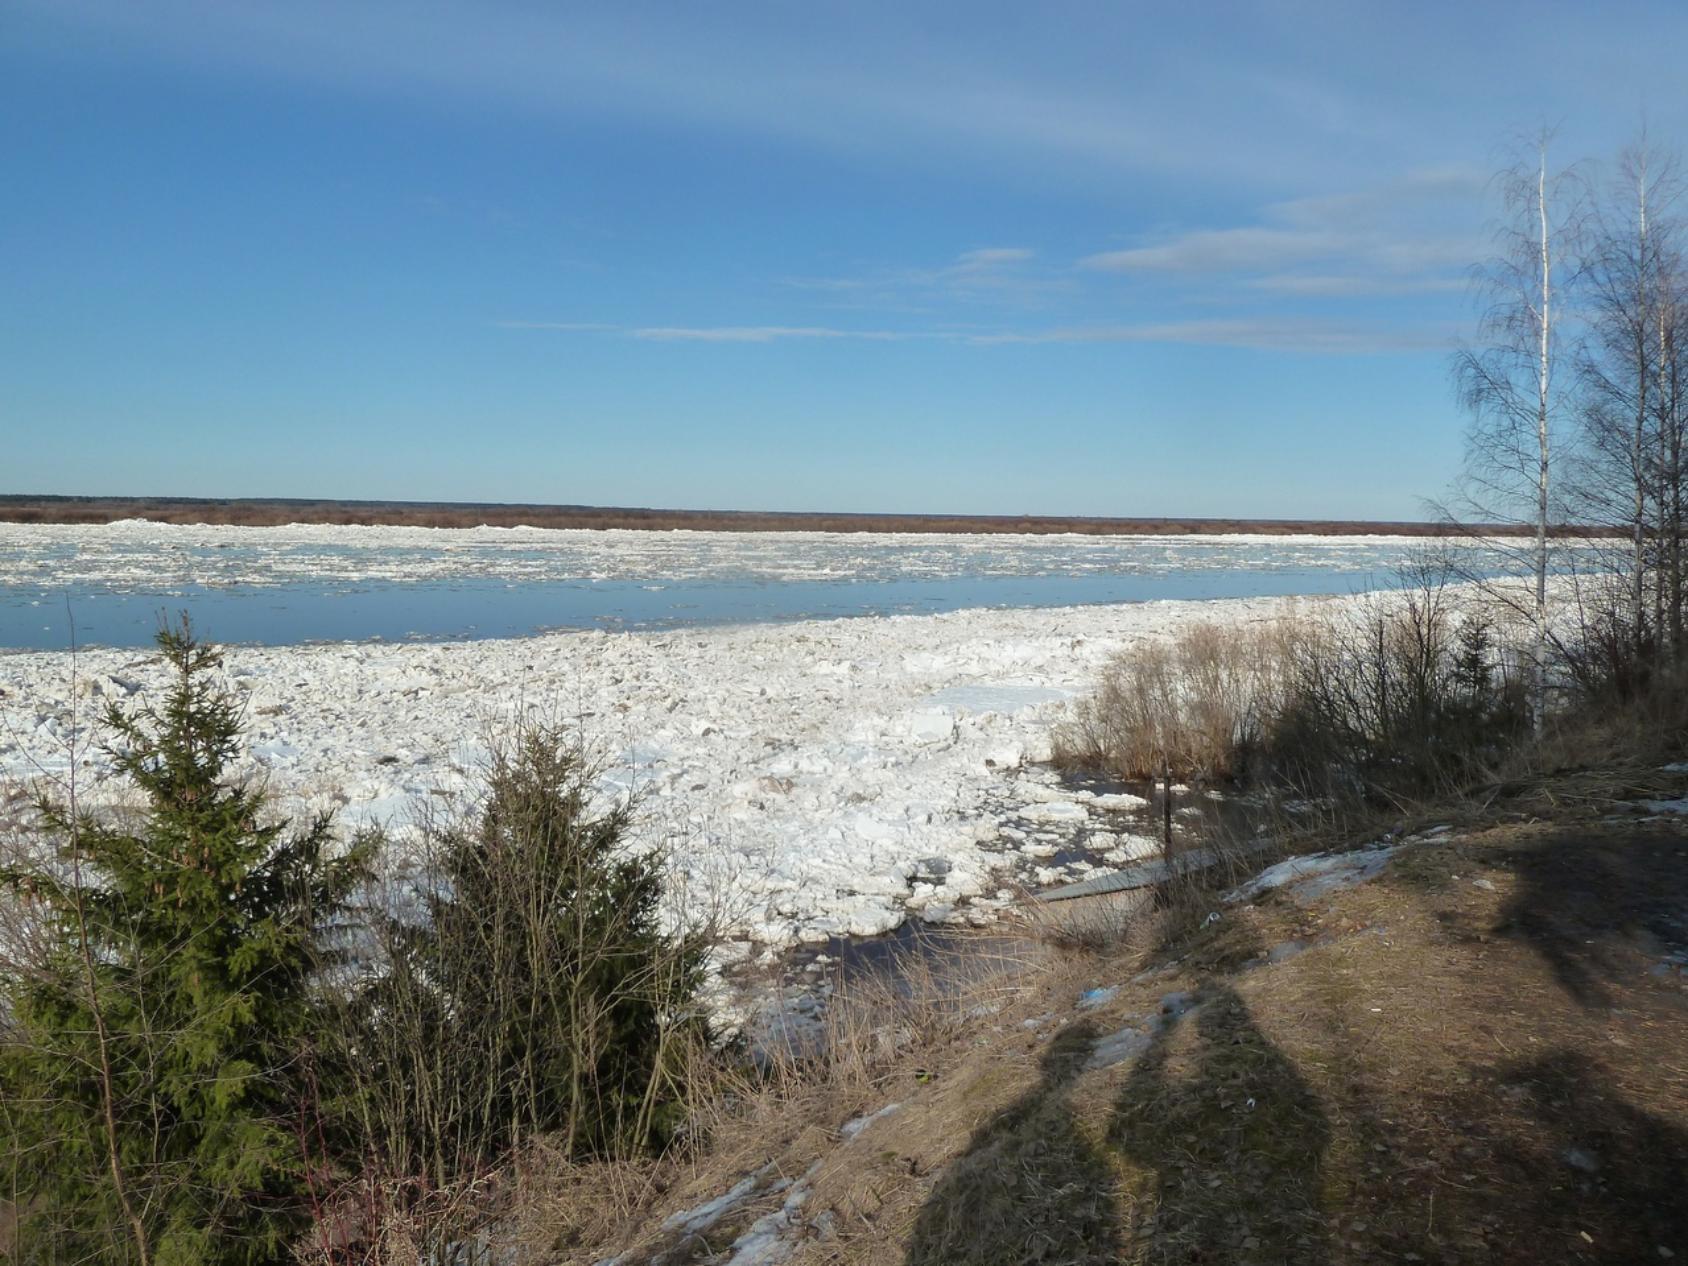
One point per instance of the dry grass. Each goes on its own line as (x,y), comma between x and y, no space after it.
(1104,923)
(1195,703)
(1394,697)
(886,1035)
(1648,728)
(1410,1083)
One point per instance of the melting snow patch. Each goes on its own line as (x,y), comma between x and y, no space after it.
(1317,874)
(702,1217)
(1116,1048)
(769,1239)
(1133,1040)
(1666,806)
(850,1129)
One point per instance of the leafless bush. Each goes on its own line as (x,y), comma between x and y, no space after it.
(1401,693)
(1195,705)
(1408,697)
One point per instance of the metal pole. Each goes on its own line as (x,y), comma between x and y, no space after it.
(1166,806)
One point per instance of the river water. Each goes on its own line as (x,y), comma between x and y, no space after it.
(111,585)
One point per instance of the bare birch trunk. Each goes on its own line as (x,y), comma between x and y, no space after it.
(1638,450)
(1543,488)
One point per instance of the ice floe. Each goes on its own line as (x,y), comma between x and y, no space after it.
(136,552)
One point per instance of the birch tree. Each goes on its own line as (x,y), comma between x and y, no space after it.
(1669,310)
(1509,380)
(1625,376)
(1630,377)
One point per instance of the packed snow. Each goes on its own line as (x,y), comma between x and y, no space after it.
(812,779)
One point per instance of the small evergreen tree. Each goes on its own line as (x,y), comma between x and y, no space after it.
(534,992)
(154,1069)
(1473,670)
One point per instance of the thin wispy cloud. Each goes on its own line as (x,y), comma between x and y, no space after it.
(1266,334)
(754,333)
(1289,283)
(991,257)
(578,327)
(870,78)
(717,333)
(1410,235)
(1339,286)
(1011,276)
(1261,334)
(1218,250)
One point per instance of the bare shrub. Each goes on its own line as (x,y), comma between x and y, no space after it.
(1195,705)
(1407,697)
(1095,923)
(1402,694)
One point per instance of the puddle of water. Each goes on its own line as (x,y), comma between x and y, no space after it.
(1199,816)
(955,956)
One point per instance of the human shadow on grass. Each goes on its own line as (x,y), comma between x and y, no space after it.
(1030,1188)
(1568,1167)
(1597,908)
(1235,1140)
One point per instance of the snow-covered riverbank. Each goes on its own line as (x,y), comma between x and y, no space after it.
(832,776)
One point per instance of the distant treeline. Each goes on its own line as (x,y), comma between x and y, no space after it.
(268,512)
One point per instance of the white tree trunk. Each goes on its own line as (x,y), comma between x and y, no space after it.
(1543,383)
(1638,451)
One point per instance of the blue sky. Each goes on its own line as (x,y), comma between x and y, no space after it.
(1134,259)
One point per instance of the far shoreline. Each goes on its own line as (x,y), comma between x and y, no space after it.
(280,511)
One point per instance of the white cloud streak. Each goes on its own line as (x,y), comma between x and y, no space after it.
(1258,334)
(755,333)
(992,257)
(1402,237)
(871,78)
(575,327)
(1339,286)
(1005,275)
(1219,250)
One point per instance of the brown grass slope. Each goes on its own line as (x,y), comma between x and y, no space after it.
(1479,1056)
